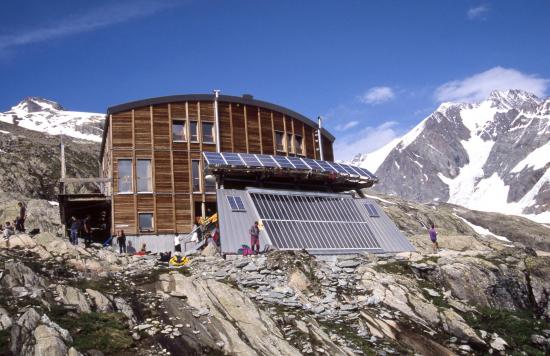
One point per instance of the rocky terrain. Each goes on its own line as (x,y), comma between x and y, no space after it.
(478,295)
(493,155)
(30,163)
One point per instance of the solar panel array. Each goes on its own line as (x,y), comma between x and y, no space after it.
(313,222)
(283,162)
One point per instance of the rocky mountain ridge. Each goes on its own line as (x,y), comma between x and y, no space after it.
(492,156)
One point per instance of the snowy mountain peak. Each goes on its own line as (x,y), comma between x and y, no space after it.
(39,114)
(34,104)
(493,155)
(514,99)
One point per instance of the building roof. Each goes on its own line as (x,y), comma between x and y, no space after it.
(245,100)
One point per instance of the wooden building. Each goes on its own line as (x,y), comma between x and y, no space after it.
(152,149)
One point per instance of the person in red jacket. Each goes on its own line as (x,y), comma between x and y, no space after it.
(255,237)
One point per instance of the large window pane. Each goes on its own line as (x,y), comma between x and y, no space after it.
(279,141)
(124,175)
(193,131)
(208,132)
(146,222)
(195,170)
(288,143)
(298,145)
(210,184)
(179,131)
(144,175)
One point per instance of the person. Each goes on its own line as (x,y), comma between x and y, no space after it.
(87,227)
(143,250)
(433,237)
(76,224)
(216,234)
(20,221)
(8,231)
(255,237)
(177,243)
(121,239)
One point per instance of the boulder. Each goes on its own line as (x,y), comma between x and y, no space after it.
(101,303)
(48,342)
(72,296)
(5,320)
(18,277)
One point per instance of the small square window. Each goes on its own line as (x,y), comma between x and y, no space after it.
(145,222)
(235,203)
(373,213)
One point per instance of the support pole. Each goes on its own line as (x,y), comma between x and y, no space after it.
(217,117)
(63,168)
(320,137)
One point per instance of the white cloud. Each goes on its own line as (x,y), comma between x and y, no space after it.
(478,86)
(366,140)
(377,95)
(94,19)
(477,12)
(348,125)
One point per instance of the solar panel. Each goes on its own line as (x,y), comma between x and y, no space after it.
(326,167)
(298,163)
(283,162)
(314,222)
(232,159)
(213,158)
(267,161)
(235,203)
(337,167)
(366,173)
(358,171)
(349,169)
(313,164)
(373,213)
(250,160)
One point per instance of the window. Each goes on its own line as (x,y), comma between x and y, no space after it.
(235,203)
(210,183)
(179,130)
(298,145)
(125,176)
(288,143)
(196,176)
(144,175)
(279,141)
(208,134)
(145,222)
(193,134)
(372,211)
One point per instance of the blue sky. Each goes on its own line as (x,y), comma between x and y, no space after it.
(373,69)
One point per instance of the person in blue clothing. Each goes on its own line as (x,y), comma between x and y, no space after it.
(433,237)
(76,224)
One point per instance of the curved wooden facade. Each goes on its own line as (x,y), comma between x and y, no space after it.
(157,136)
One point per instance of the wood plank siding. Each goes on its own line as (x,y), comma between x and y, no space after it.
(149,138)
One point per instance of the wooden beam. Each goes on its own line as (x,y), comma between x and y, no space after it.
(260,131)
(112,174)
(86,180)
(153,164)
(246,128)
(175,225)
(134,170)
(231,127)
(273,133)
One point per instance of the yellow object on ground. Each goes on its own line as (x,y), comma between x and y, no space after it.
(182,261)
(209,220)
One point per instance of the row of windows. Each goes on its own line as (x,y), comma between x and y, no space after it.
(144,179)
(180,133)
(289,143)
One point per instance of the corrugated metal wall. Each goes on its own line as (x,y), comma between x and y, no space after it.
(234,225)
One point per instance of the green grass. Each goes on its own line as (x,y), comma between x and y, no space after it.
(514,327)
(397,267)
(101,331)
(349,334)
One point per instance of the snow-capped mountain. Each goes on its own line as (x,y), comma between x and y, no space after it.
(491,156)
(49,117)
